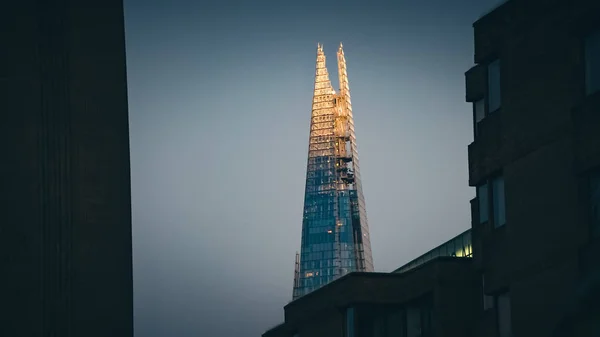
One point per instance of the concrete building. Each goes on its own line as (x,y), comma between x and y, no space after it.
(433,296)
(65,214)
(535,163)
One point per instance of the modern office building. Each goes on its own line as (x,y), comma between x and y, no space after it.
(535,162)
(65,219)
(335,232)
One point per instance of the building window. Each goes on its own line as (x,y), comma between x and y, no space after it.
(491,201)
(592,63)
(350,322)
(595,203)
(503,315)
(488,301)
(482,197)
(499,208)
(494,95)
(479,113)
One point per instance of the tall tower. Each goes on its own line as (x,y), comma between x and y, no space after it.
(335,232)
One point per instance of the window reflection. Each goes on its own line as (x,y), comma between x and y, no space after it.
(499,202)
(494,95)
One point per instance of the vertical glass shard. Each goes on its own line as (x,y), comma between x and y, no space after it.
(335,232)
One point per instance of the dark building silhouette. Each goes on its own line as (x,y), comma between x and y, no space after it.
(535,162)
(65,219)
(432,295)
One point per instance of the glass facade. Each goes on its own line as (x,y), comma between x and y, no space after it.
(335,236)
(459,246)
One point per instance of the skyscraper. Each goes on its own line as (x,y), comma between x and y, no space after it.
(335,232)
(65,206)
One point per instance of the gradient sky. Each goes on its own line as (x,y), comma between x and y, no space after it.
(220,99)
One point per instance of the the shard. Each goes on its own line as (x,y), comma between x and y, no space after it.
(335,232)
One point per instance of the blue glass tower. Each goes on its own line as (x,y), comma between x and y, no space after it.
(335,232)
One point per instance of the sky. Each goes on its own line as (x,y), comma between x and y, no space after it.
(219,100)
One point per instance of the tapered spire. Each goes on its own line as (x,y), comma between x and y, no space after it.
(322,82)
(343,77)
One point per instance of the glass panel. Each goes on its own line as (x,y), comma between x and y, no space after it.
(504,319)
(350,322)
(499,202)
(595,202)
(479,107)
(482,197)
(494,86)
(413,322)
(592,63)
(488,301)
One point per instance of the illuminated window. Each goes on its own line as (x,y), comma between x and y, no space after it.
(309,274)
(592,63)
(494,94)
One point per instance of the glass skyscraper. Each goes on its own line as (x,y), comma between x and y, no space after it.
(335,232)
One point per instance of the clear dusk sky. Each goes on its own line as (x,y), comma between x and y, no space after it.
(220,97)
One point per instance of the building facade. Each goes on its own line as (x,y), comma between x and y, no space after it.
(535,163)
(424,298)
(65,219)
(335,232)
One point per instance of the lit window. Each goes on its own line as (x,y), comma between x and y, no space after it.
(482,197)
(309,274)
(595,202)
(494,95)
(498,202)
(504,316)
(592,63)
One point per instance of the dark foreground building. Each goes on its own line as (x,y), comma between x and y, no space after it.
(65,216)
(431,299)
(535,162)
